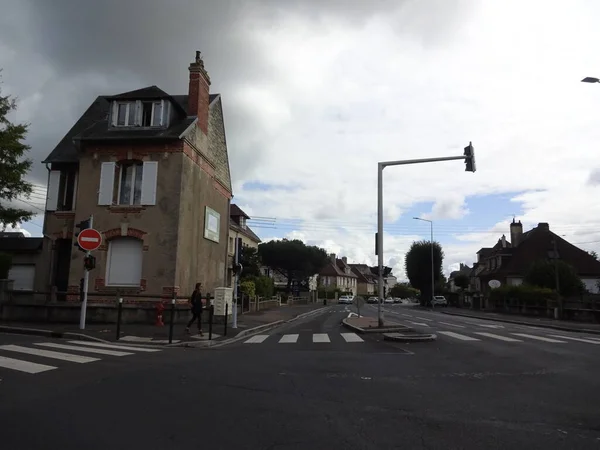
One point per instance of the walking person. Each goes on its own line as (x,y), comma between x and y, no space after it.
(196,308)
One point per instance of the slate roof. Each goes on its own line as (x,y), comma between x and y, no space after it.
(93,124)
(363,272)
(236,211)
(337,269)
(245,231)
(21,244)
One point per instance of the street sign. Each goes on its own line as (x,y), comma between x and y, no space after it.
(89,239)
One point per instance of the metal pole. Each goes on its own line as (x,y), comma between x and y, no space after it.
(86,279)
(172,318)
(225,321)
(235,289)
(119,311)
(211,311)
(432,267)
(380,168)
(556,280)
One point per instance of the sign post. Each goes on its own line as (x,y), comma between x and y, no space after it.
(89,240)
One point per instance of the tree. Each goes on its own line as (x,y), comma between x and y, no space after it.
(293,259)
(403,290)
(461,281)
(594,254)
(417,264)
(12,166)
(542,274)
(250,262)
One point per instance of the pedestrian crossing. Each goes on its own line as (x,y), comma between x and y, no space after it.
(46,355)
(315,338)
(515,337)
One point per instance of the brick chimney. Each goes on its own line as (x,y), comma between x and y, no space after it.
(332,258)
(543,226)
(503,241)
(345,260)
(199,91)
(516,231)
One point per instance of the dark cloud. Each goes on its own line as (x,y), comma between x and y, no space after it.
(70,51)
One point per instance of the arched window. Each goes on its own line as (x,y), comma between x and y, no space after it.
(124,262)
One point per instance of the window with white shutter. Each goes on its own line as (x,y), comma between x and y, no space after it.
(23,276)
(124,264)
(149,180)
(52,192)
(107,183)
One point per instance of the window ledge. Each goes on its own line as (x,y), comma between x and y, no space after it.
(126,208)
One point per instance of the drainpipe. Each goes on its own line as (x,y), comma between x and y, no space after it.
(51,268)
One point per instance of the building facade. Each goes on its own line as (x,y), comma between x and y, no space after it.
(153,171)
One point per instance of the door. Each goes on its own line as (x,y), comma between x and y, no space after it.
(62,265)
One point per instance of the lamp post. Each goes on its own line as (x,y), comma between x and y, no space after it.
(468,157)
(432,261)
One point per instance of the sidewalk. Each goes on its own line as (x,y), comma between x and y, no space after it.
(563,325)
(151,334)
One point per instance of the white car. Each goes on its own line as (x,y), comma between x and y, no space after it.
(439,300)
(345,299)
(389,300)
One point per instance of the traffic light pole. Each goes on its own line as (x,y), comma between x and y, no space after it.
(380,166)
(86,279)
(236,279)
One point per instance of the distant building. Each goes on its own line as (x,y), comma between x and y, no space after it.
(337,274)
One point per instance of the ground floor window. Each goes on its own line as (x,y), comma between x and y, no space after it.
(124,265)
(23,276)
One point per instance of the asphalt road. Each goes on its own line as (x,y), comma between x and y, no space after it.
(312,385)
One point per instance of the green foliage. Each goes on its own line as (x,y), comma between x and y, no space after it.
(5,265)
(292,258)
(542,274)
(403,290)
(595,255)
(461,281)
(248,288)
(417,264)
(523,295)
(12,166)
(264,286)
(250,261)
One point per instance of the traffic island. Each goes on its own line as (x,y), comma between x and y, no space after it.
(371,325)
(409,337)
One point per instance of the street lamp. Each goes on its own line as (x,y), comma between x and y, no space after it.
(590,80)
(432,262)
(468,157)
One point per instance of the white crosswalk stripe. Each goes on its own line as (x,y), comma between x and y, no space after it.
(588,341)
(258,339)
(499,337)
(320,337)
(352,337)
(289,339)
(539,338)
(298,338)
(33,350)
(461,337)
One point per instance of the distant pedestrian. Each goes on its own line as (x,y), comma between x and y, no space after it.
(196,307)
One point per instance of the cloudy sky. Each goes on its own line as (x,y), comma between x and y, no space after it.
(316,92)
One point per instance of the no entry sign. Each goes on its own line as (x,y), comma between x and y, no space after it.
(89,239)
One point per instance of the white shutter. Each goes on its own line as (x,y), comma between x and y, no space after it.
(23,276)
(107,183)
(52,192)
(124,262)
(115,113)
(149,180)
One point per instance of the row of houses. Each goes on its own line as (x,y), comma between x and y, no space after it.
(509,261)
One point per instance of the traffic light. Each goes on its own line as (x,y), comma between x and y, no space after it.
(83,225)
(386,271)
(376,246)
(469,158)
(237,269)
(89,262)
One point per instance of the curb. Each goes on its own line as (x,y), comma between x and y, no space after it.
(529,324)
(51,334)
(375,330)
(249,332)
(399,337)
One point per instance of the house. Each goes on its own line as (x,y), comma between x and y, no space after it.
(366,282)
(27,264)
(509,262)
(152,169)
(238,228)
(463,270)
(337,274)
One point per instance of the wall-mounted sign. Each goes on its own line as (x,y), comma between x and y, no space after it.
(494,284)
(212,224)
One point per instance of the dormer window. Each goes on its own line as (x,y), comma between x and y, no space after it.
(154,113)
(243,222)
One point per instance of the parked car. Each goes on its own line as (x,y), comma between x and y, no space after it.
(389,300)
(439,300)
(346,299)
(372,300)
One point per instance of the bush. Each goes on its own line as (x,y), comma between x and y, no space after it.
(523,295)
(265,287)
(5,265)
(248,288)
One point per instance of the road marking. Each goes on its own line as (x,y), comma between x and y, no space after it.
(497,336)
(423,318)
(406,315)
(353,337)
(489,326)
(462,337)
(289,339)
(258,339)
(49,354)
(452,324)
(419,323)
(320,338)
(122,347)
(99,351)
(539,338)
(589,341)
(23,366)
